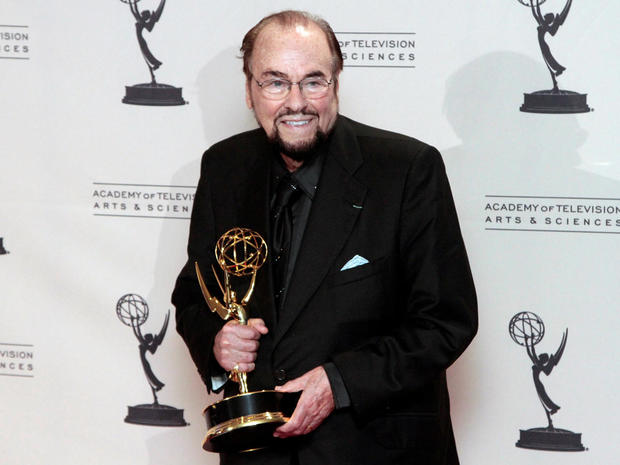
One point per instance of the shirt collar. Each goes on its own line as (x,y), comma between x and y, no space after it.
(307,176)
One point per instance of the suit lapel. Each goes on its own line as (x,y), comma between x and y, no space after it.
(252,197)
(335,209)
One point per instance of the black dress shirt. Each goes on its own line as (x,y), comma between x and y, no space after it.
(307,179)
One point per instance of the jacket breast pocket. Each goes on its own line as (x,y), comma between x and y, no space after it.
(356,274)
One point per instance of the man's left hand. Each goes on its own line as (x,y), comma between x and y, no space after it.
(315,403)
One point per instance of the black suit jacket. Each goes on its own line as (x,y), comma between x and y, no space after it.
(391,326)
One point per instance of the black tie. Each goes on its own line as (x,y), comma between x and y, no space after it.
(282,226)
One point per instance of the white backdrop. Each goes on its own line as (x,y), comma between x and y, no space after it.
(69,368)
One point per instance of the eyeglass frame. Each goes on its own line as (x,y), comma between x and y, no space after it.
(290,86)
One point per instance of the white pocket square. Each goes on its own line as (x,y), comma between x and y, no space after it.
(358,260)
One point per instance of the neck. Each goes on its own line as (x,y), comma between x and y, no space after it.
(290,164)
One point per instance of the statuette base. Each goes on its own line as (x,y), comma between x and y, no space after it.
(155,415)
(555,102)
(550,439)
(153,94)
(246,422)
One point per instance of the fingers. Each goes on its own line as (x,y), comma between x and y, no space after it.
(237,344)
(315,403)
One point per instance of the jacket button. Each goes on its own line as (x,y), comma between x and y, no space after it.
(280,376)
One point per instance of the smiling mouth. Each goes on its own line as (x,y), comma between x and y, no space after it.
(297,120)
(297,123)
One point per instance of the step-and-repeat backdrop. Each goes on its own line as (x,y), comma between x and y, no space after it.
(97,174)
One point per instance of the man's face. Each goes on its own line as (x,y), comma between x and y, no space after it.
(296,123)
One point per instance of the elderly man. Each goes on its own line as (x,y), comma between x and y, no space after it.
(367,297)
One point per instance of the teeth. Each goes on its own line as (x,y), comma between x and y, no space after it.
(297,123)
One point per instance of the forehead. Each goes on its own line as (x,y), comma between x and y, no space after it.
(294,51)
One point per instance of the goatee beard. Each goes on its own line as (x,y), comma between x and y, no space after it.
(300,151)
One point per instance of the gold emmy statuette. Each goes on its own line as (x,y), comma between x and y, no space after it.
(246,421)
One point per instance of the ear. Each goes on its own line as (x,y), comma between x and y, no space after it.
(248,93)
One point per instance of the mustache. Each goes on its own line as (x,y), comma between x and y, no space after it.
(303,112)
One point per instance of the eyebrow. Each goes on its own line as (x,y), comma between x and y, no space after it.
(282,75)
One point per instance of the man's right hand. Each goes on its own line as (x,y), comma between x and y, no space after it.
(237,344)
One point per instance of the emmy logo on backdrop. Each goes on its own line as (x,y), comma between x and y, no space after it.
(133,311)
(3,251)
(527,329)
(554,100)
(245,421)
(152,93)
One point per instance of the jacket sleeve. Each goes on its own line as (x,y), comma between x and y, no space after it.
(437,314)
(194,321)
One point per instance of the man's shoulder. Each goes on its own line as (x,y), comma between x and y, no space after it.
(235,151)
(239,142)
(387,144)
(365,130)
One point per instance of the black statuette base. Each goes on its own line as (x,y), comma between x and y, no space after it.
(555,101)
(246,422)
(153,95)
(155,415)
(550,439)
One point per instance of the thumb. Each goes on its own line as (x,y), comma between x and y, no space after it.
(259,325)
(293,385)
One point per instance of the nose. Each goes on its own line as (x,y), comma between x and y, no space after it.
(295,99)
